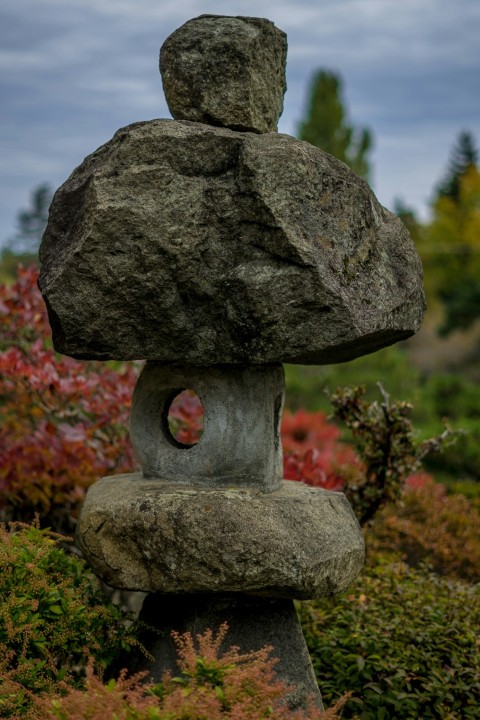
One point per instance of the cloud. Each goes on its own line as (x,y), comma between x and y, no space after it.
(73,72)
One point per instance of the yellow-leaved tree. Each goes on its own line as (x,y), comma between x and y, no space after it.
(450,244)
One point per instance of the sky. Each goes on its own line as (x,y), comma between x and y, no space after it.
(74,71)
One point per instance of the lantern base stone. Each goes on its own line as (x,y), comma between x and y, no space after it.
(152,535)
(253,623)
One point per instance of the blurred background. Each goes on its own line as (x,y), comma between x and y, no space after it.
(389,88)
(392,89)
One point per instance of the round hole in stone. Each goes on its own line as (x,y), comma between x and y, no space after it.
(183,418)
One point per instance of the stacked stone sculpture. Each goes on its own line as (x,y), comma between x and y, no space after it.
(217,249)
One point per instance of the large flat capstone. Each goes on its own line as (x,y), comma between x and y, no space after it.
(155,536)
(181,242)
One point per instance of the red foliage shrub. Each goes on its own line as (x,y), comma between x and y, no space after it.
(429,524)
(63,422)
(313,453)
(212,686)
(185,418)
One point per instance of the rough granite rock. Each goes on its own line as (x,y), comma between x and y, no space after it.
(181,242)
(226,71)
(296,542)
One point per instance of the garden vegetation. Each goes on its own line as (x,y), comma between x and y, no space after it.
(400,643)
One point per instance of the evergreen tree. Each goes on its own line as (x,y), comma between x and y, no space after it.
(464,155)
(462,304)
(326,124)
(31,222)
(408,217)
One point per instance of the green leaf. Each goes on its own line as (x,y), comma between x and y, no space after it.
(55,609)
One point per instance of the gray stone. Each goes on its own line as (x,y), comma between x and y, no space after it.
(184,243)
(240,444)
(253,623)
(226,71)
(296,542)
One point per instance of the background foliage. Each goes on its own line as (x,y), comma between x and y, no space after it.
(404,639)
(63,422)
(327,127)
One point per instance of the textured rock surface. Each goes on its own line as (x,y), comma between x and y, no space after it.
(296,542)
(241,442)
(186,243)
(253,623)
(227,71)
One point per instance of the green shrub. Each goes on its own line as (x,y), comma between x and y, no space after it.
(53,617)
(306,384)
(404,641)
(385,440)
(462,460)
(453,396)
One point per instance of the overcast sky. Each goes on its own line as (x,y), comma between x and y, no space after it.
(74,71)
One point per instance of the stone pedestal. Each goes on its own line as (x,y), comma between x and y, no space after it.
(253,623)
(232,541)
(217,249)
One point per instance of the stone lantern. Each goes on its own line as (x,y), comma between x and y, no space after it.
(217,249)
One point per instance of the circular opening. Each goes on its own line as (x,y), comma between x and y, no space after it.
(184,418)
